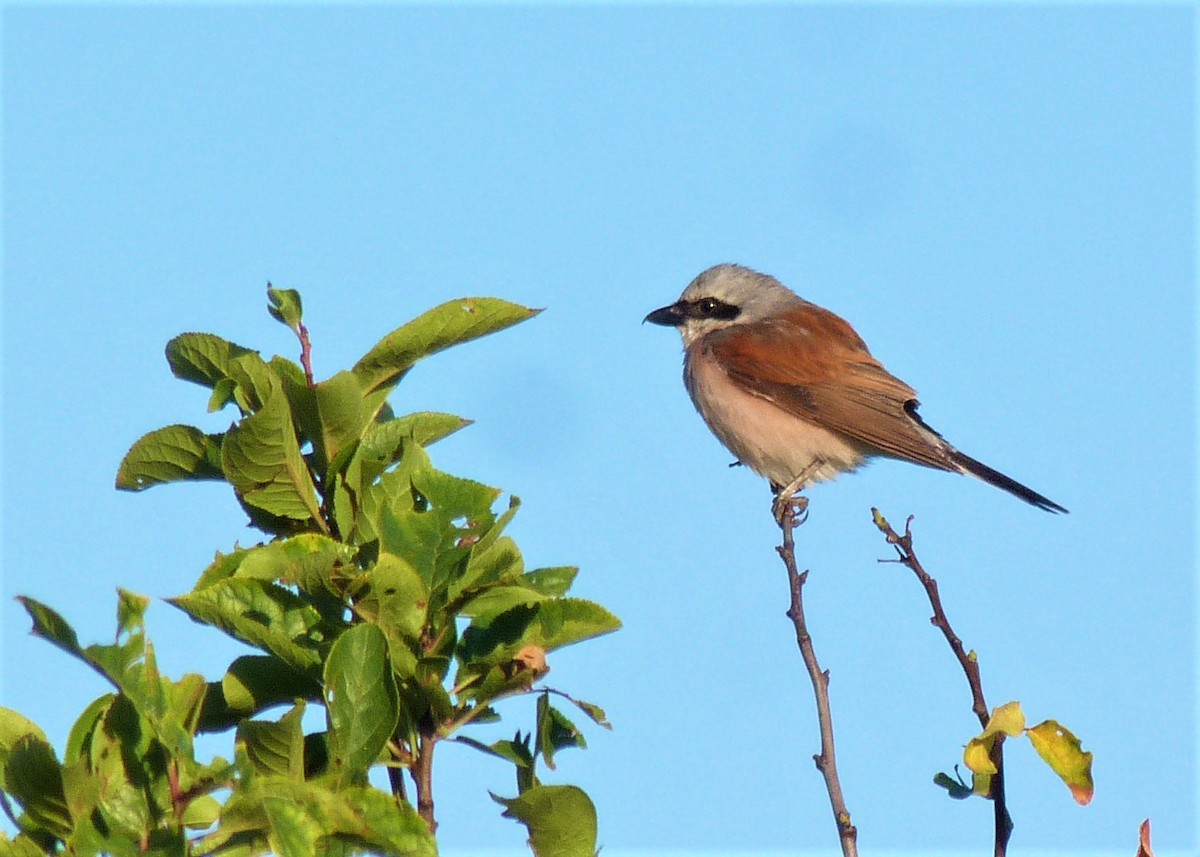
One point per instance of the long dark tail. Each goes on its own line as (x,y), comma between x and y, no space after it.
(995,477)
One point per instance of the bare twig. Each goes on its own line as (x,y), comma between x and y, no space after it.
(396,781)
(967,660)
(422,773)
(789,514)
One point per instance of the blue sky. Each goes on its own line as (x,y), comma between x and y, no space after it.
(1000,198)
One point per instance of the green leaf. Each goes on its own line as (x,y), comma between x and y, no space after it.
(224,565)
(499,599)
(22,846)
(343,414)
(395,599)
(307,560)
(261,459)
(13,728)
(548,624)
(418,538)
(201,813)
(561,820)
(170,454)
(255,381)
(516,752)
(285,306)
(383,441)
(33,776)
(555,731)
(295,817)
(360,696)
(595,712)
(276,748)
(203,358)
(954,786)
(255,682)
(264,615)
(443,326)
(499,562)
(551,581)
(1063,752)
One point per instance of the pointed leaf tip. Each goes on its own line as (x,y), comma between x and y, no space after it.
(285,306)
(451,323)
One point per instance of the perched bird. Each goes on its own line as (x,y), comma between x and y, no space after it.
(792,390)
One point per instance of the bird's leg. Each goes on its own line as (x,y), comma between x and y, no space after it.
(786,497)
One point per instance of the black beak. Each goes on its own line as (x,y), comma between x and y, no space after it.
(668,316)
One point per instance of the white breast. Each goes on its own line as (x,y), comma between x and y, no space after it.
(768,440)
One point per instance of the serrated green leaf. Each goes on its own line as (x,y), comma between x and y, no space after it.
(13,728)
(261,459)
(499,562)
(276,748)
(510,751)
(418,538)
(255,381)
(222,395)
(555,731)
(449,324)
(22,846)
(223,566)
(499,599)
(360,696)
(356,815)
(285,306)
(81,732)
(343,414)
(307,560)
(394,598)
(561,820)
(1063,752)
(547,624)
(118,761)
(593,711)
(202,358)
(554,582)
(33,776)
(255,682)
(261,614)
(170,454)
(382,442)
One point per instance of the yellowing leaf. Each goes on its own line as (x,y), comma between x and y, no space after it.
(977,755)
(1008,718)
(1064,753)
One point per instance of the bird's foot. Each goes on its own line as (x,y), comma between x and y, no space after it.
(787,505)
(788,501)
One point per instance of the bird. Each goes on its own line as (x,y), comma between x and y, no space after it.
(793,392)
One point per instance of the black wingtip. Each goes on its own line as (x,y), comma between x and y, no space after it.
(1005,483)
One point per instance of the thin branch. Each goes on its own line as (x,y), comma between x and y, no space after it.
(305,353)
(422,774)
(396,781)
(967,660)
(826,761)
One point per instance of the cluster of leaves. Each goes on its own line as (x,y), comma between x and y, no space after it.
(387,594)
(1057,746)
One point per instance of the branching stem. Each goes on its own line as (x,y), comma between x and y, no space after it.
(826,761)
(970,667)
